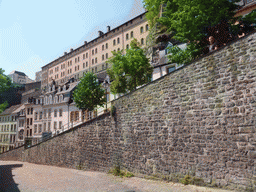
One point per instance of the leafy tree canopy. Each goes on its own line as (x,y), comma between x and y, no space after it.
(129,70)
(5,81)
(189,21)
(88,93)
(5,85)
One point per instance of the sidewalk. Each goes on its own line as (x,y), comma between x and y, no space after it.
(28,177)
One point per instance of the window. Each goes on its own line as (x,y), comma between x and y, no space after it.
(83,56)
(142,41)
(86,64)
(106,45)
(102,57)
(44,127)
(114,42)
(78,59)
(102,47)
(45,113)
(55,125)
(141,30)
(31,111)
(50,99)
(96,50)
(49,113)
(92,52)
(92,70)
(61,98)
(106,65)
(40,128)
(95,69)
(106,55)
(147,27)
(36,115)
(118,40)
(49,126)
(35,128)
(86,55)
(131,34)
(83,65)
(40,115)
(60,112)
(60,124)
(55,113)
(92,61)
(77,116)
(127,36)
(127,46)
(31,121)
(72,116)
(75,60)
(96,60)
(102,66)
(118,49)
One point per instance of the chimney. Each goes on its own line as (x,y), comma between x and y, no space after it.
(65,53)
(100,33)
(71,50)
(108,28)
(85,42)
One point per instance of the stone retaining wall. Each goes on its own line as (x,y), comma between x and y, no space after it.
(200,119)
(13,155)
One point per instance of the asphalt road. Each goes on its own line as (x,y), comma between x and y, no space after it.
(18,176)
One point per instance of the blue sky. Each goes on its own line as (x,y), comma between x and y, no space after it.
(36,32)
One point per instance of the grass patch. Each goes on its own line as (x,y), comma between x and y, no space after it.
(117,171)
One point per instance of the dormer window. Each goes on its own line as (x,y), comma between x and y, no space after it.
(50,99)
(56,99)
(61,98)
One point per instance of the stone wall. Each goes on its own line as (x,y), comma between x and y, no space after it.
(200,119)
(88,146)
(13,155)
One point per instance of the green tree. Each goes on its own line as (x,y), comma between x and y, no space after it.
(88,93)
(5,81)
(129,70)
(188,20)
(5,85)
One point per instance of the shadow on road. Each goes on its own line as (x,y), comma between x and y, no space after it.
(6,178)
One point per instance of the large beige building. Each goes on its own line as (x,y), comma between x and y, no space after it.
(92,56)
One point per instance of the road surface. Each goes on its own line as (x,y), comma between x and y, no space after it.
(18,176)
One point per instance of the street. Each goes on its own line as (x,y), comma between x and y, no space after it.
(28,177)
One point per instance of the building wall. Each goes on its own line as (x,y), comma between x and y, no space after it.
(8,133)
(61,69)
